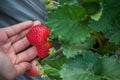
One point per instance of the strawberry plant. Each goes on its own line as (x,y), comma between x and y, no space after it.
(85,35)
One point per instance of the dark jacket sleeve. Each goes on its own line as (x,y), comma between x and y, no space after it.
(15,11)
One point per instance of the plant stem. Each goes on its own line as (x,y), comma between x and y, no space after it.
(57,51)
(98,38)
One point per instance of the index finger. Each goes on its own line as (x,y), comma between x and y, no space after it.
(17,28)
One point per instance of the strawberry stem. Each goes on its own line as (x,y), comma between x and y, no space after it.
(57,51)
(52,55)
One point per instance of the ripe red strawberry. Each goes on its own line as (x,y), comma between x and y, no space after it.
(38,37)
(33,71)
(38,34)
(44,49)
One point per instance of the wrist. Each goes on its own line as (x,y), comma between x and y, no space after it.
(6,68)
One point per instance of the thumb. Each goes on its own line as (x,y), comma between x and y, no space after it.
(22,67)
(36,23)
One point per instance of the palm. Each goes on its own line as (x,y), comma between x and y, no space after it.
(13,41)
(14,45)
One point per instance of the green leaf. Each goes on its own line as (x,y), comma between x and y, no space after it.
(53,66)
(89,1)
(51,5)
(98,15)
(91,67)
(111,68)
(113,33)
(105,21)
(109,22)
(91,7)
(70,2)
(51,71)
(80,68)
(71,50)
(65,23)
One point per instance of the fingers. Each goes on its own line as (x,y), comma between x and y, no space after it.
(30,53)
(22,67)
(21,45)
(3,36)
(15,29)
(27,55)
(22,34)
(19,36)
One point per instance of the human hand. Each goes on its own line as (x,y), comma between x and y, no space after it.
(15,53)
